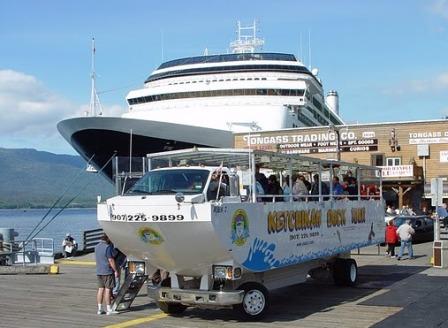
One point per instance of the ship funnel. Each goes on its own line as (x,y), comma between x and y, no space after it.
(332,101)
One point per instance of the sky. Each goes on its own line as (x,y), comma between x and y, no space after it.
(388,60)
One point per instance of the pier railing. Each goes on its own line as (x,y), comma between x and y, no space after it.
(91,239)
(35,251)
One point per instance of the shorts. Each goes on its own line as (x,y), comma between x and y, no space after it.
(106,281)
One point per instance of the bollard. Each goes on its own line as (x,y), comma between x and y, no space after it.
(54,269)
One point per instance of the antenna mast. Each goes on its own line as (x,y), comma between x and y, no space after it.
(246,43)
(95,105)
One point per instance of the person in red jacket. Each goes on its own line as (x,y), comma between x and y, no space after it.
(391,238)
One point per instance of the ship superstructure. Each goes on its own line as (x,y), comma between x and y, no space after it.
(203,100)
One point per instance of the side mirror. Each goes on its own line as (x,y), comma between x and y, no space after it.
(179,197)
(198,199)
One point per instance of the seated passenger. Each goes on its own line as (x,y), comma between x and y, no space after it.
(261,178)
(315,188)
(300,188)
(274,189)
(337,187)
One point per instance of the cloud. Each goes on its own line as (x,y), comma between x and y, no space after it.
(27,106)
(29,112)
(440,8)
(431,85)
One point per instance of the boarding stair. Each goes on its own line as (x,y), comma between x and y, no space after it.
(128,291)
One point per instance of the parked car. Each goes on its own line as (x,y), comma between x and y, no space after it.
(422,224)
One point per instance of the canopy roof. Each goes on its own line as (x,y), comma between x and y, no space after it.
(242,157)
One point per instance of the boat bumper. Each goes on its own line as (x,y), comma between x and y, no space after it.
(195,296)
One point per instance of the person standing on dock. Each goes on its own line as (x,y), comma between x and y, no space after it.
(106,272)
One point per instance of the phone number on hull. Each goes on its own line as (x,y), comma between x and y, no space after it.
(144,218)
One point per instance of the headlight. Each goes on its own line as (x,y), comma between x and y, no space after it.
(136,267)
(222,272)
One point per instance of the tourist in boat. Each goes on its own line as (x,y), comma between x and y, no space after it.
(299,189)
(315,188)
(337,187)
(274,189)
(286,189)
(261,178)
(69,246)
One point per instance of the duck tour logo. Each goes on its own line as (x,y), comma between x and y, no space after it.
(240,227)
(150,236)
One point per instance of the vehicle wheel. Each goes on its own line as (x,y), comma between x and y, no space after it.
(171,308)
(345,272)
(255,301)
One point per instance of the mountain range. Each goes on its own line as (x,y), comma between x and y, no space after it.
(31,178)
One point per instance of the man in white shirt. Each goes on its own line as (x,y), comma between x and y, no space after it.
(69,246)
(405,232)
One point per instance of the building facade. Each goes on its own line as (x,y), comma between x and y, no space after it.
(409,153)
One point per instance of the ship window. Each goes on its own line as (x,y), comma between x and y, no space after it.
(222,93)
(263,78)
(235,79)
(257,79)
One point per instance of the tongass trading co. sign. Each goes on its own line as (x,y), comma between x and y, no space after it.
(313,143)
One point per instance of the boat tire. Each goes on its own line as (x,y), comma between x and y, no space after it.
(255,301)
(345,272)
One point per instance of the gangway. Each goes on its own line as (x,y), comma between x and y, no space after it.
(129,290)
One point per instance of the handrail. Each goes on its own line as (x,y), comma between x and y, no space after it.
(92,238)
(27,251)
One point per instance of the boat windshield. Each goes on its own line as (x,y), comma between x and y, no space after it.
(186,181)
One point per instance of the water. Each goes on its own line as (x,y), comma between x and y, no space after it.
(73,221)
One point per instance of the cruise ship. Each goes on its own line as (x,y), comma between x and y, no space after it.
(201,101)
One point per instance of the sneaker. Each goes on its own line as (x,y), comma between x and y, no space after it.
(99,312)
(111,312)
(393,256)
(398,258)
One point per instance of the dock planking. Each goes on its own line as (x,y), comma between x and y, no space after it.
(68,299)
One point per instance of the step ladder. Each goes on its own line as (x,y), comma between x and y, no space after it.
(128,291)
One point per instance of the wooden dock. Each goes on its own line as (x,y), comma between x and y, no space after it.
(390,293)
